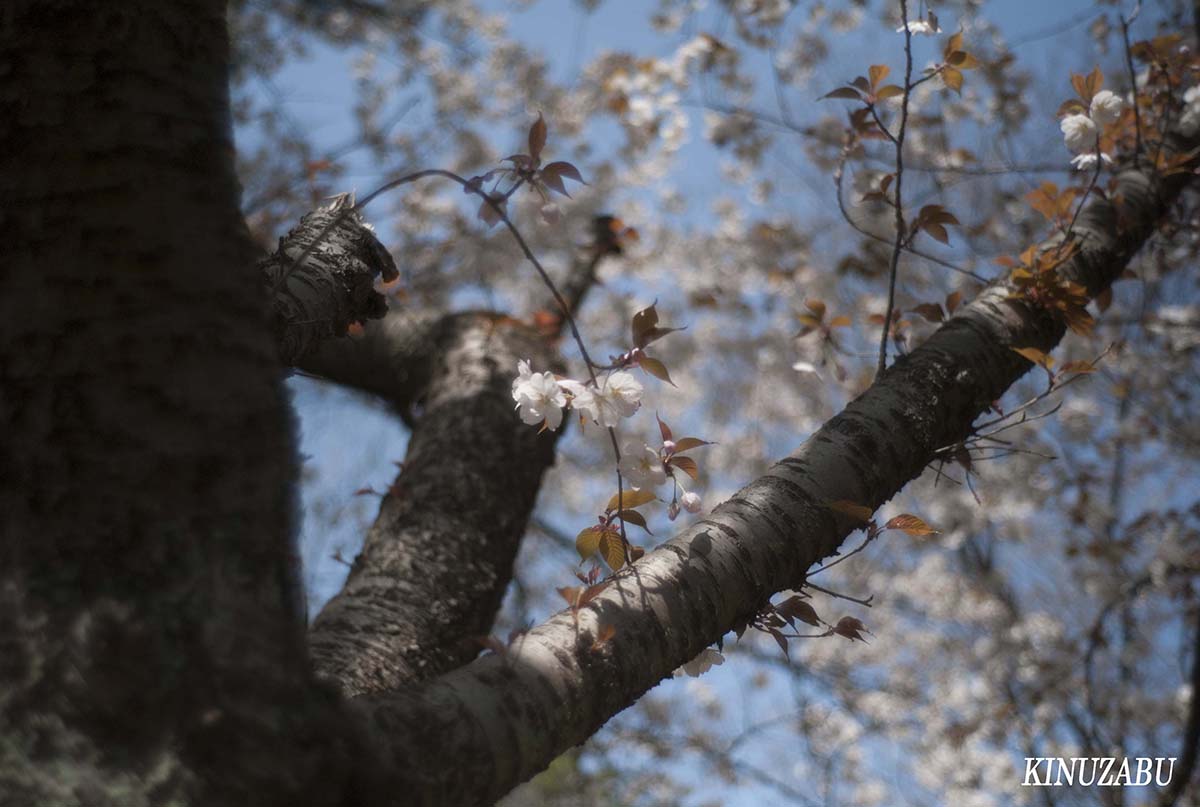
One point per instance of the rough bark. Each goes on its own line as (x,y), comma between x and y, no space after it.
(439,557)
(321,279)
(471,735)
(151,645)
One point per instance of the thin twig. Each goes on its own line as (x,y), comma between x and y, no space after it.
(1137,115)
(898,140)
(841,203)
(831,593)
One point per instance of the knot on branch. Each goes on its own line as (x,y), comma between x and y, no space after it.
(322,278)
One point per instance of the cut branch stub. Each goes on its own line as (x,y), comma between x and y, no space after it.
(322,278)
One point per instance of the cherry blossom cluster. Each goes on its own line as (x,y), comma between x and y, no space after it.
(1081,130)
(541,397)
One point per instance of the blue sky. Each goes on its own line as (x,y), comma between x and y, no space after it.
(337,427)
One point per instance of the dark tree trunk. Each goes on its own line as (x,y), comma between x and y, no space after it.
(151,643)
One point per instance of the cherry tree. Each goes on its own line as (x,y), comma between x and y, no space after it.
(888,430)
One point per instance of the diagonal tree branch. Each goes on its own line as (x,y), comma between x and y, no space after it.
(469,736)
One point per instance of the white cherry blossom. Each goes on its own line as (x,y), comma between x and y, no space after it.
(691,502)
(1106,107)
(641,465)
(619,396)
(923,27)
(539,397)
(705,661)
(1080,133)
(1083,162)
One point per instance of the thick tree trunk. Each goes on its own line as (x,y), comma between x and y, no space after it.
(151,645)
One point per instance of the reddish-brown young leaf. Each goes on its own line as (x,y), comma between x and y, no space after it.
(797,607)
(655,368)
(663,428)
(953,79)
(1071,106)
(930,311)
(810,322)
(1036,356)
(1078,367)
(605,633)
(848,93)
(953,43)
(644,322)
(877,73)
(687,465)
(856,511)
(936,231)
(688,443)
(553,174)
(910,524)
(953,300)
(644,328)
(851,628)
(780,640)
(1079,320)
(1079,84)
(537,138)
(570,594)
